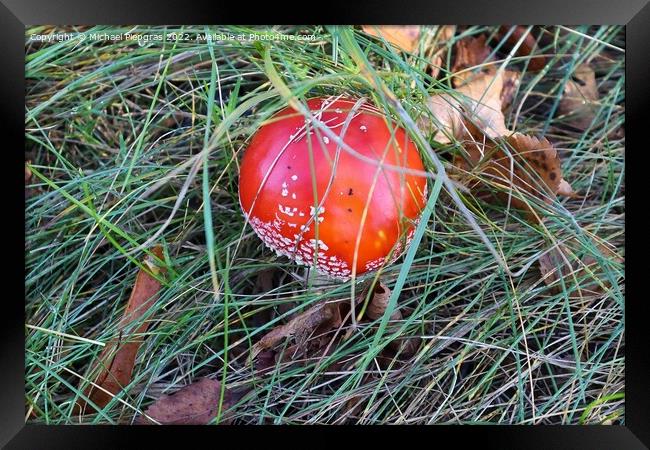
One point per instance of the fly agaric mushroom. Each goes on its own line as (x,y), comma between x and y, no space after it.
(365,205)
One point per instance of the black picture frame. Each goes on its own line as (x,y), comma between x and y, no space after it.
(15,15)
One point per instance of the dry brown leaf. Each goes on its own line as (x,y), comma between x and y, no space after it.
(379,303)
(542,157)
(533,167)
(265,360)
(483,94)
(447,122)
(565,189)
(479,101)
(377,308)
(561,262)
(194,404)
(404,37)
(471,53)
(480,85)
(553,266)
(118,357)
(315,320)
(527,47)
(476,119)
(511,80)
(580,97)
(436,54)
(482,102)
(487,93)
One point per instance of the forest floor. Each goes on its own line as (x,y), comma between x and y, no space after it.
(133,147)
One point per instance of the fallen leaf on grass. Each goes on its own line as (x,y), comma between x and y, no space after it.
(315,320)
(309,334)
(478,97)
(482,100)
(565,189)
(376,310)
(580,98)
(475,118)
(404,37)
(118,357)
(379,302)
(554,266)
(531,166)
(471,53)
(478,101)
(527,47)
(511,80)
(265,360)
(446,119)
(194,404)
(561,263)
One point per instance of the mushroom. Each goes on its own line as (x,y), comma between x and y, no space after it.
(365,207)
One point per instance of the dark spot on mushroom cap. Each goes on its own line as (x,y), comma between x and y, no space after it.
(349,209)
(545,167)
(350,191)
(289,167)
(552,175)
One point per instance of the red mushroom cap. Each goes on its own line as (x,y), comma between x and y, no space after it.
(276,187)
